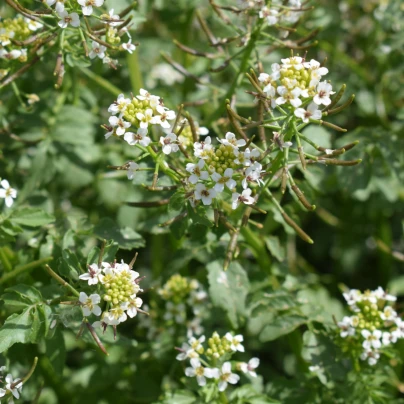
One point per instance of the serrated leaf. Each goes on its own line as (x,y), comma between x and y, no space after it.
(229,289)
(275,247)
(31,217)
(19,297)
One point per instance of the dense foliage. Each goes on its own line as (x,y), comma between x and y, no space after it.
(201,201)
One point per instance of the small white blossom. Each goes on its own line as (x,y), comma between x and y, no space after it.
(371,356)
(134,304)
(196,173)
(119,123)
(201,373)
(165,116)
(89,304)
(196,343)
(231,140)
(145,118)
(295,61)
(116,315)
(270,15)
(289,96)
(388,314)
(129,46)
(33,25)
(59,5)
(139,137)
(119,105)
(93,276)
(201,148)
(235,342)
(253,174)
(87,5)
(222,180)
(66,19)
(7,193)
(16,390)
(312,112)
(169,143)
(372,339)
(97,51)
(324,90)
(226,376)
(346,327)
(381,294)
(113,19)
(186,352)
(250,367)
(133,167)
(245,198)
(206,194)
(12,55)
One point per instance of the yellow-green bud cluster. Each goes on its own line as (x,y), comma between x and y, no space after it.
(137,106)
(14,28)
(186,137)
(177,289)
(119,288)
(218,346)
(112,36)
(221,158)
(369,316)
(292,78)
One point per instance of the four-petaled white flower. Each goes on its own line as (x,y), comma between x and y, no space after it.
(226,376)
(388,314)
(165,116)
(250,367)
(371,356)
(97,50)
(119,105)
(93,276)
(295,61)
(33,25)
(245,198)
(324,90)
(201,373)
(390,337)
(89,304)
(169,143)
(66,19)
(372,339)
(7,193)
(14,54)
(381,294)
(312,112)
(253,174)
(222,180)
(145,118)
(113,19)
(206,194)
(139,137)
(133,167)
(231,140)
(120,124)
(196,173)
(14,386)
(235,342)
(87,5)
(59,5)
(291,96)
(134,304)
(116,315)
(129,46)
(201,149)
(346,327)
(270,15)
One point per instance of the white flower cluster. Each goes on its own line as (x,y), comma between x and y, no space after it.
(374,324)
(218,347)
(295,84)
(10,386)
(141,111)
(219,167)
(281,13)
(119,286)
(7,193)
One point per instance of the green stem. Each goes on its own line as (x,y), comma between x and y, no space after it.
(64,283)
(101,81)
(135,74)
(24,268)
(5,261)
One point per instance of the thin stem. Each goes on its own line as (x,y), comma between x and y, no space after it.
(60,280)
(23,268)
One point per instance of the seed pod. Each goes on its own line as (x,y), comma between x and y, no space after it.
(337,97)
(296,228)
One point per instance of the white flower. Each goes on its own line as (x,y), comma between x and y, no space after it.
(93,276)
(206,194)
(139,137)
(119,123)
(134,304)
(235,342)
(295,61)
(312,112)
(145,95)
(388,314)
(113,19)
(227,377)
(230,140)
(222,180)
(392,337)
(59,5)
(129,46)
(14,390)
(90,304)
(145,118)
(371,356)
(87,5)
(165,116)
(186,352)
(195,170)
(270,15)
(196,343)
(14,54)
(33,25)
(2,392)
(276,71)
(119,105)
(246,156)
(116,315)
(66,19)
(97,50)
(169,143)
(253,174)
(324,90)
(7,193)
(372,339)
(346,327)
(245,197)
(201,130)
(200,372)
(353,296)
(381,294)
(289,96)
(133,167)
(250,367)
(201,149)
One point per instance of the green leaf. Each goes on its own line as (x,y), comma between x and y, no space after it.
(229,289)
(177,201)
(126,237)
(275,247)
(19,297)
(56,351)
(31,217)
(198,216)
(283,325)
(180,397)
(69,265)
